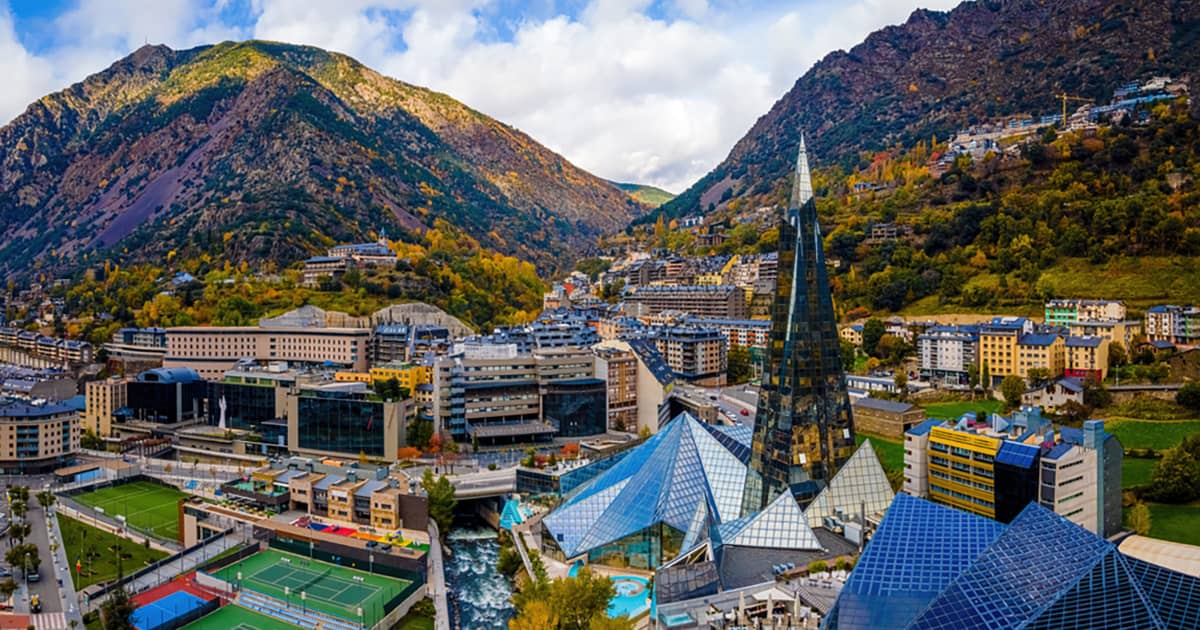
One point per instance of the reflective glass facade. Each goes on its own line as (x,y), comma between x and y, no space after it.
(246,406)
(929,566)
(341,424)
(803,432)
(860,489)
(577,407)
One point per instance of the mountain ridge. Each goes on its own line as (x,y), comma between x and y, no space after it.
(261,150)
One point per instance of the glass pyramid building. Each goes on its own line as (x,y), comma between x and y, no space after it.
(858,490)
(803,432)
(930,566)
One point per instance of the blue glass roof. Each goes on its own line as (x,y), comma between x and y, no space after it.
(1017,454)
(917,550)
(1041,572)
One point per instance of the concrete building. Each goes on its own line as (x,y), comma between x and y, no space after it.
(1040,351)
(1068,312)
(214,350)
(1179,325)
(946,353)
(1052,395)
(1123,332)
(995,467)
(747,333)
(133,350)
(649,381)
(103,398)
(1086,356)
(722,301)
(317,267)
(696,355)
(37,438)
(998,346)
(620,368)
(886,417)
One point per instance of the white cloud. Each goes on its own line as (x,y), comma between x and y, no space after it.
(621,94)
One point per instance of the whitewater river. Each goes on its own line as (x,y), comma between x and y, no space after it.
(480,596)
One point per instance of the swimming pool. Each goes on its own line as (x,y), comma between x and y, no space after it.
(631,598)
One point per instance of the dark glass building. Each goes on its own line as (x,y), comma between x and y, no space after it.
(166,395)
(345,423)
(804,431)
(576,407)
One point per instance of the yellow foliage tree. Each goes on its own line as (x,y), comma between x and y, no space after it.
(537,615)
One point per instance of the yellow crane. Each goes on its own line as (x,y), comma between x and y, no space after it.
(1064,97)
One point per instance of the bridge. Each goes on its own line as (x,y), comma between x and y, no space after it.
(485,483)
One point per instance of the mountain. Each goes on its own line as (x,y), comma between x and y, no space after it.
(942,71)
(649,195)
(259,151)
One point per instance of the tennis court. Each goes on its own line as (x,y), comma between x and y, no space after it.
(332,589)
(237,618)
(148,507)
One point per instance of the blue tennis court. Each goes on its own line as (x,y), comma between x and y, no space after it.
(171,611)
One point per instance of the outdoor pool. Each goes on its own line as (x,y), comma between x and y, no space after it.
(631,598)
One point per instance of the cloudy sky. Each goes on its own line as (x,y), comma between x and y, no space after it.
(651,91)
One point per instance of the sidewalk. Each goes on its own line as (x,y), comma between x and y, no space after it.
(63,569)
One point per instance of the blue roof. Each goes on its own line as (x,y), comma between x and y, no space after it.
(1162,344)
(1041,571)
(1072,383)
(18,409)
(1084,342)
(924,427)
(169,375)
(1037,339)
(1017,454)
(1058,450)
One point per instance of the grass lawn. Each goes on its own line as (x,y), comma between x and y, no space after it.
(1174,522)
(329,588)
(237,618)
(1151,434)
(955,410)
(1136,471)
(415,621)
(79,536)
(890,452)
(149,507)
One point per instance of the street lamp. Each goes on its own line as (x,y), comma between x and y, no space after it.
(287,593)
(303,605)
(360,619)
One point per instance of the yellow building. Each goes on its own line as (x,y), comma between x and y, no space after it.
(998,351)
(962,470)
(1044,351)
(409,376)
(102,398)
(1087,356)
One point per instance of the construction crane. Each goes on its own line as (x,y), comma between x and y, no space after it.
(1067,97)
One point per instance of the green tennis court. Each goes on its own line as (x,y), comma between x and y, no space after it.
(332,589)
(237,618)
(148,507)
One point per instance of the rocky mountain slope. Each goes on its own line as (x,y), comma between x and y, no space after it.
(941,71)
(263,151)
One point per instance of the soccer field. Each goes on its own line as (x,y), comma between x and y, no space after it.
(148,507)
(237,618)
(332,589)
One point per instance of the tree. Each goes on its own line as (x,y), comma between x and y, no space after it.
(442,500)
(986,377)
(1012,387)
(1139,518)
(117,612)
(537,615)
(873,331)
(1189,395)
(7,588)
(1117,355)
(19,508)
(1095,395)
(644,432)
(1176,478)
(91,441)
(900,378)
(15,557)
(19,531)
(580,599)
(408,453)
(817,566)
(419,433)
(849,355)
(1036,376)
(973,377)
(509,561)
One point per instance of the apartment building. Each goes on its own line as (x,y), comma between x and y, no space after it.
(37,438)
(998,340)
(648,381)
(213,350)
(695,355)
(102,399)
(1179,325)
(1068,312)
(721,301)
(946,353)
(620,368)
(1040,351)
(1086,356)
(747,333)
(1122,332)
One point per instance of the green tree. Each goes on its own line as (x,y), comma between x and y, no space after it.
(7,588)
(1189,395)
(1139,518)
(45,498)
(1012,387)
(1117,355)
(1176,477)
(117,611)
(873,331)
(418,433)
(738,364)
(900,379)
(580,599)
(19,531)
(986,377)
(849,355)
(1095,395)
(15,557)
(442,500)
(509,561)
(90,440)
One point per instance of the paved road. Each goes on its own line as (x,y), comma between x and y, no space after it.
(47,588)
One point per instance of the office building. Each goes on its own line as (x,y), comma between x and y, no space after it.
(213,350)
(929,566)
(994,467)
(102,399)
(804,431)
(576,407)
(37,438)
(133,350)
(166,396)
(345,420)
(721,301)
(1068,312)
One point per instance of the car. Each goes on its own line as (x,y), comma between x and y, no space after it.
(5,573)
(7,604)
(386,547)
(33,576)
(35,604)
(745,412)
(371,544)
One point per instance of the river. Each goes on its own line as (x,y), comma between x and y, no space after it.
(481,597)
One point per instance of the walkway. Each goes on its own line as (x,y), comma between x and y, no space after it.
(437,579)
(62,568)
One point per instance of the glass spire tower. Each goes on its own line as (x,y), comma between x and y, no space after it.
(803,432)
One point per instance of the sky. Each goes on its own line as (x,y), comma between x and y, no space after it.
(646,91)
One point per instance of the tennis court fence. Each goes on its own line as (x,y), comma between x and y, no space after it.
(415,579)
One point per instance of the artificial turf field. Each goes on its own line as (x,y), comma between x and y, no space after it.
(237,618)
(330,588)
(148,507)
